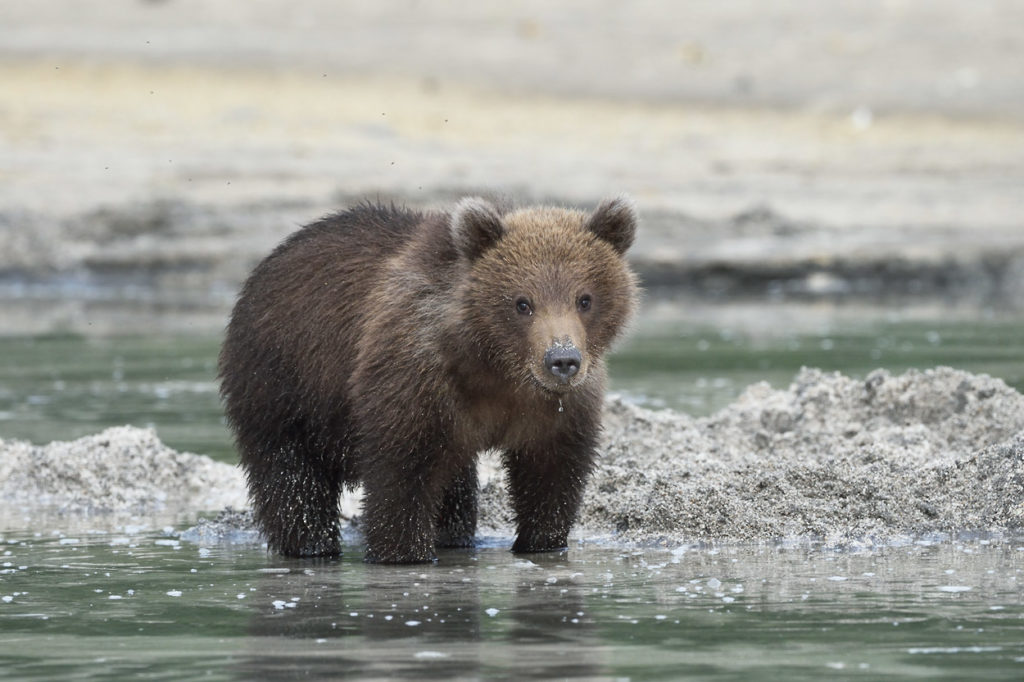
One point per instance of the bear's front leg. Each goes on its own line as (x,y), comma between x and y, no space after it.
(456,521)
(400,504)
(547,484)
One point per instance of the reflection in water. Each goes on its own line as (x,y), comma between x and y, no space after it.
(318,624)
(549,611)
(99,605)
(422,622)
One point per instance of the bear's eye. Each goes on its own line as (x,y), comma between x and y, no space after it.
(523,306)
(585,302)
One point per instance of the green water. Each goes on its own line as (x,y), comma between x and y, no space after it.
(700,369)
(105,601)
(146,606)
(58,388)
(64,387)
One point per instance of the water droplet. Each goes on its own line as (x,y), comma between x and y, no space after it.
(560,408)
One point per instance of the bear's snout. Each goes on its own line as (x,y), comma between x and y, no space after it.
(563,361)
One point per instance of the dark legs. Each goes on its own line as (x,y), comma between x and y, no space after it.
(400,502)
(456,520)
(546,486)
(295,502)
(410,510)
(413,503)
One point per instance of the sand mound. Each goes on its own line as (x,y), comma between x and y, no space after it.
(122,469)
(829,457)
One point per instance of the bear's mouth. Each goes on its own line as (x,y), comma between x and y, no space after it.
(553,386)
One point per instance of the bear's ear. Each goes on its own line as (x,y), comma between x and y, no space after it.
(614,221)
(476,226)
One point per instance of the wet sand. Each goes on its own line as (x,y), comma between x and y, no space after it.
(830,458)
(122,475)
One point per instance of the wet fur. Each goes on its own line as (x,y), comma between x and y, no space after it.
(382,346)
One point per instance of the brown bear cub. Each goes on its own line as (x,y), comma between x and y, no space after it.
(388,347)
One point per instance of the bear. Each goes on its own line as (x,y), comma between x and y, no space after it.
(387,347)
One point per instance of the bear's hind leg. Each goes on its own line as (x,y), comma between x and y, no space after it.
(295,502)
(456,521)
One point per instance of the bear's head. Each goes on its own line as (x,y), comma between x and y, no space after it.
(546,290)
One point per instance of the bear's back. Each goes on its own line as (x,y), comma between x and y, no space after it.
(365,232)
(294,328)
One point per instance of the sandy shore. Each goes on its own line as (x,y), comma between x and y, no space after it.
(122,475)
(154,151)
(829,458)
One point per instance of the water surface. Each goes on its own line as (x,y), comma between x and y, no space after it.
(62,387)
(110,605)
(89,599)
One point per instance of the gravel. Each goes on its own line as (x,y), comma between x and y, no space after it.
(120,470)
(829,458)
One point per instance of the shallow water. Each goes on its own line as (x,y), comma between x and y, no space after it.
(126,602)
(701,367)
(65,387)
(111,604)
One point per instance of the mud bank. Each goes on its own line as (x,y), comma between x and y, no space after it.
(148,165)
(830,458)
(177,265)
(118,472)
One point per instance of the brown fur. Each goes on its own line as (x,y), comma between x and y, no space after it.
(385,346)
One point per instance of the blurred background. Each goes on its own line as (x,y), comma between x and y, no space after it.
(834,184)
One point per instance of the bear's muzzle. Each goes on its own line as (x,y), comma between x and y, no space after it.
(563,361)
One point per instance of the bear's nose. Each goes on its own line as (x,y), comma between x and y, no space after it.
(563,362)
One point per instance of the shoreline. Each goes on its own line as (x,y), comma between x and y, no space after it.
(177,265)
(828,460)
(146,183)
